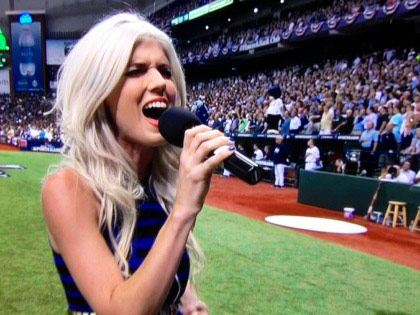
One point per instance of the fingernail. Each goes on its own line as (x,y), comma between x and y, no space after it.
(232,148)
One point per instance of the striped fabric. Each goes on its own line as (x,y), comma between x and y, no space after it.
(151,217)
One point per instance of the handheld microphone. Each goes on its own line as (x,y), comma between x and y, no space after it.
(175,121)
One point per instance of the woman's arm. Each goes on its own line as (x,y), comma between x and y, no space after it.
(71,212)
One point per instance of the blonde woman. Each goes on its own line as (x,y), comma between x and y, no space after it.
(121,206)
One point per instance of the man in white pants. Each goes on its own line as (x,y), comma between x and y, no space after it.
(280,160)
(312,156)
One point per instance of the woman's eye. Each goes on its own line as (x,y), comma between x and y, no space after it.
(167,73)
(135,72)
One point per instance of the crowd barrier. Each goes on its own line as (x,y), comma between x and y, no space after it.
(336,191)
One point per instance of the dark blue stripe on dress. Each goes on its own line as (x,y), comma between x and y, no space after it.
(151,222)
(135,263)
(143,243)
(59,261)
(151,207)
(74,294)
(67,279)
(79,308)
(183,275)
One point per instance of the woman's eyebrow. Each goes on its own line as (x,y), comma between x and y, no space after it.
(138,64)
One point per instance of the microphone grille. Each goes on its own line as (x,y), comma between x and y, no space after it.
(174,122)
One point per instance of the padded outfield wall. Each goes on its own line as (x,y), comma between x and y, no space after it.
(336,191)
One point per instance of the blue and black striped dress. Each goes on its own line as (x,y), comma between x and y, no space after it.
(150,219)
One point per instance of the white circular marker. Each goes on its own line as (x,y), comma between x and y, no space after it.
(316,224)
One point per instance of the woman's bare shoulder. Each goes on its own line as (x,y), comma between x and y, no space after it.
(67,201)
(65,182)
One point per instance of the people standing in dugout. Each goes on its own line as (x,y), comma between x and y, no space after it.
(280,161)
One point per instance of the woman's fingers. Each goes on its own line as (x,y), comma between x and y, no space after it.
(202,137)
(206,148)
(191,133)
(211,163)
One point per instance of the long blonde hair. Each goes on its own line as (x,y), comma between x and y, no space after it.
(88,75)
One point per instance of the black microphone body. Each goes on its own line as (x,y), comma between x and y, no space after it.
(175,121)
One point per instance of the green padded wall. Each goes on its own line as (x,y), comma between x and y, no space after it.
(336,191)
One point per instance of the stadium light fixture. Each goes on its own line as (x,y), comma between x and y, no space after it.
(255,10)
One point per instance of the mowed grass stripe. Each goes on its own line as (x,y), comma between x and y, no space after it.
(252,267)
(28,280)
(263,269)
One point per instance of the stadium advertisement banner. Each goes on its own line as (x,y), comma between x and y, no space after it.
(199,12)
(218,4)
(4,81)
(38,145)
(27,57)
(211,7)
(57,50)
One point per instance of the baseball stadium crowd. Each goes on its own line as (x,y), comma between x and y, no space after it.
(294,18)
(24,118)
(375,96)
(272,27)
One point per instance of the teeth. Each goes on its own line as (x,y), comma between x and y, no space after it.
(156,105)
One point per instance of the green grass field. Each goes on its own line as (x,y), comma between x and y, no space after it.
(252,267)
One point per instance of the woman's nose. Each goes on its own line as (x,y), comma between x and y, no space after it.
(156,82)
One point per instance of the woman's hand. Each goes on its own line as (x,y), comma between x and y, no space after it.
(196,166)
(191,304)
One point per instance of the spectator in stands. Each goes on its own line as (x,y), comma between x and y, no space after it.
(387,147)
(412,153)
(315,115)
(312,157)
(390,174)
(397,121)
(326,120)
(218,122)
(304,119)
(370,116)
(368,141)
(280,161)
(406,138)
(359,120)
(406,175)
(294,127)
(382,119)
(273,113)
(285,126)
(261,125)
(346,126)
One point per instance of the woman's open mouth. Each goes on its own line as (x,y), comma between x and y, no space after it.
(153,110)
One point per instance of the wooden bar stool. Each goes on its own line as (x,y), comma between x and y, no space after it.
(394,208)
(416,226)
